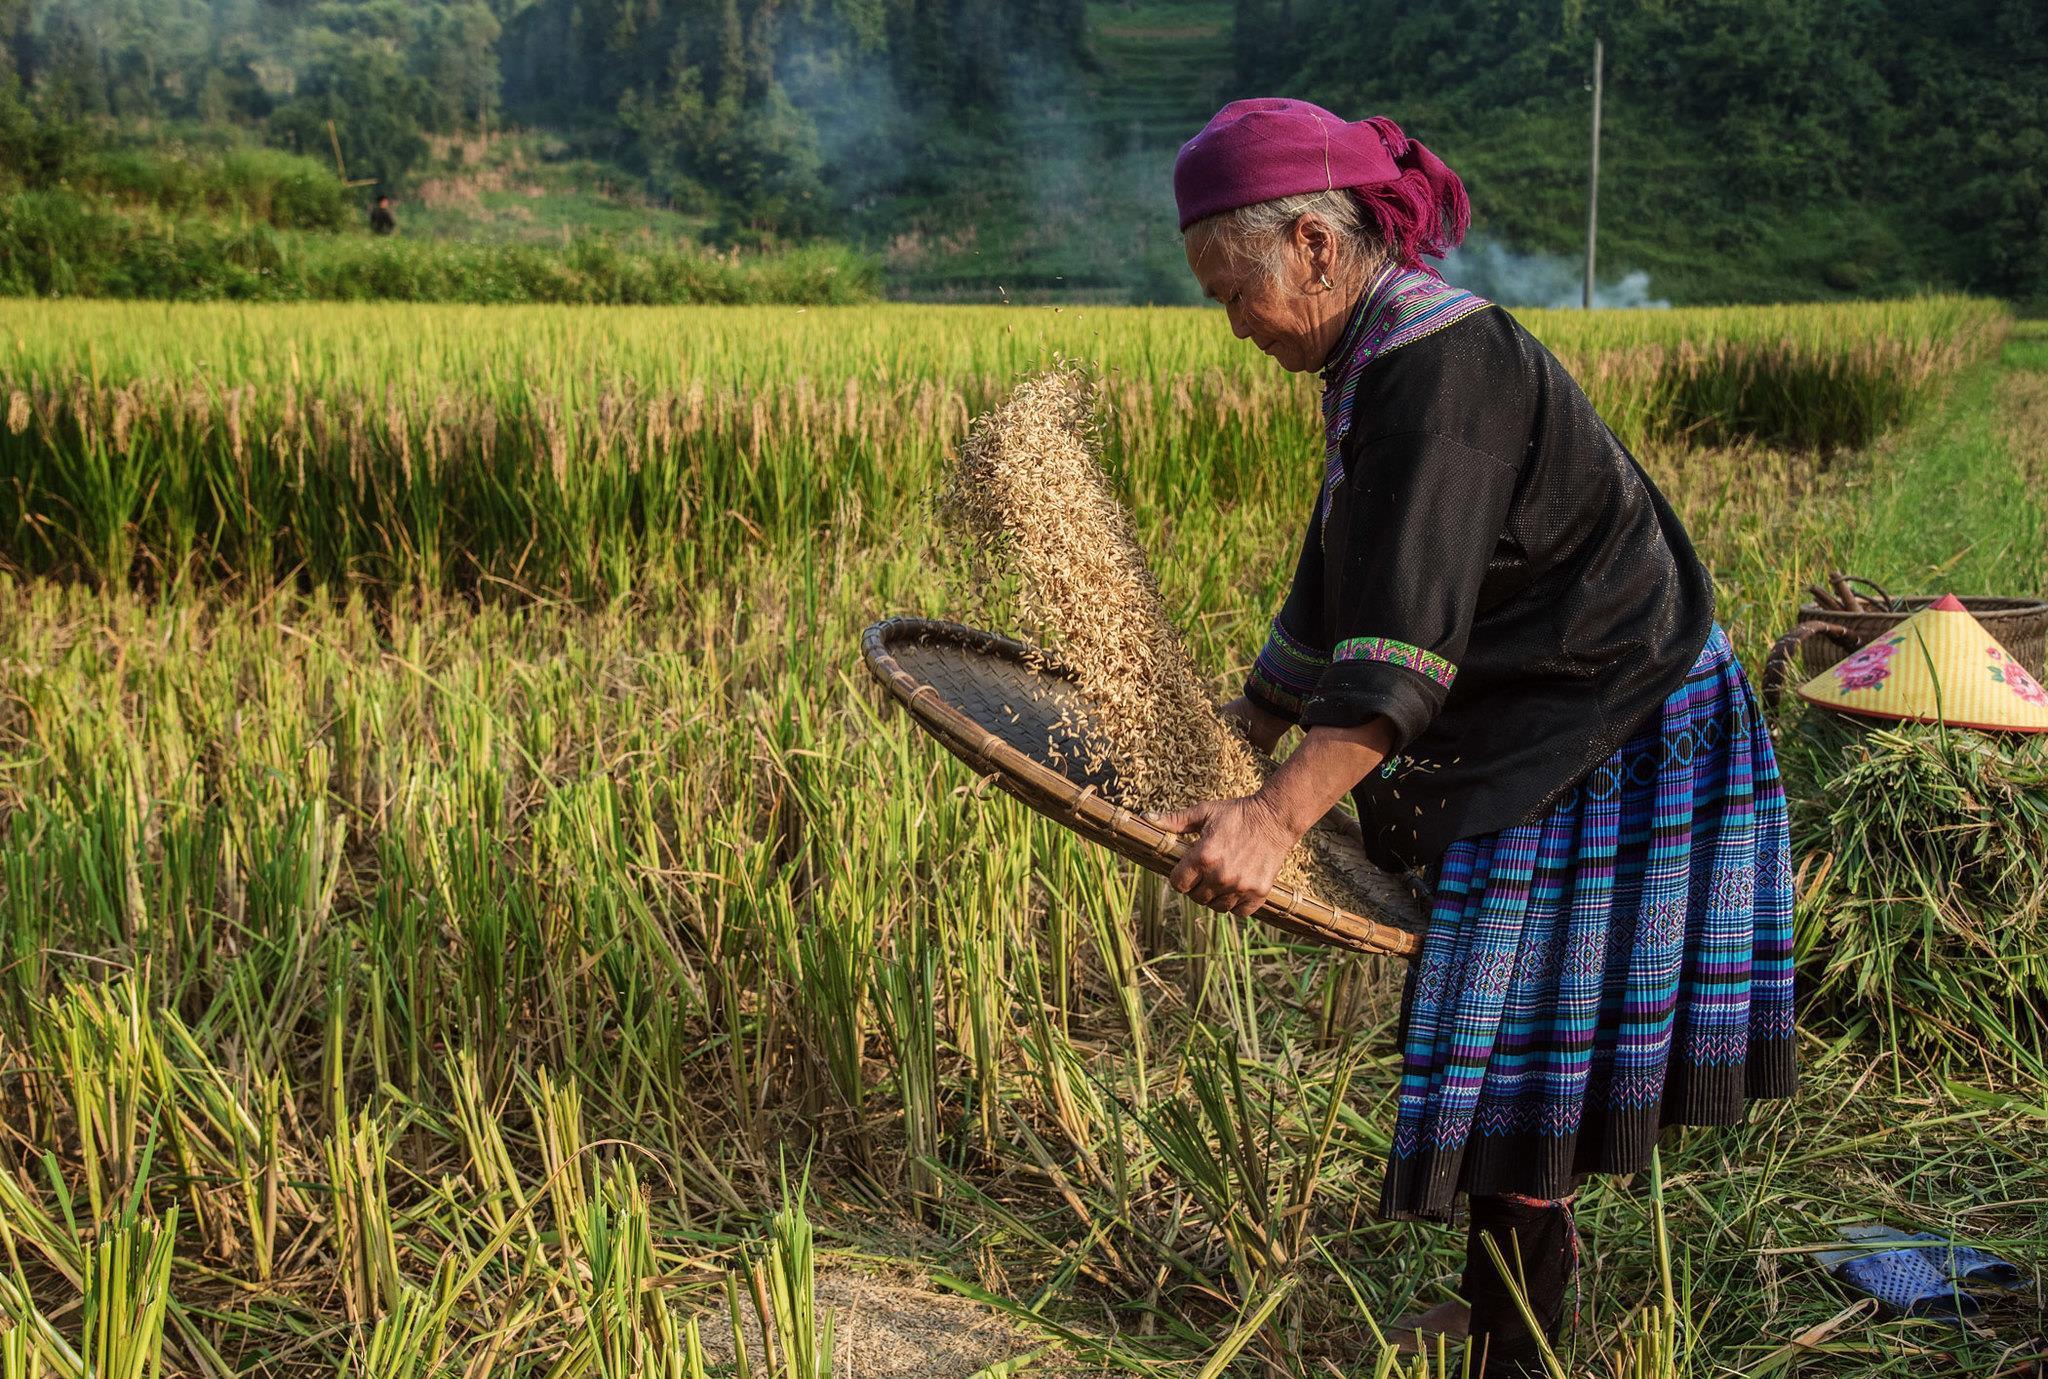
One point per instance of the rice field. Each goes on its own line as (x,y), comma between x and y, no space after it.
(466,913)
(584,452)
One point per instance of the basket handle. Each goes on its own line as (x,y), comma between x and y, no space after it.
(1891,605)
(1778,664)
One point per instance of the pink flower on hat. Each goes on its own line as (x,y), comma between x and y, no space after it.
(2014,677)
(1868,668)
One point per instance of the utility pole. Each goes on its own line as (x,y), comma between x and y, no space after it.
(1593,180)
(340,170)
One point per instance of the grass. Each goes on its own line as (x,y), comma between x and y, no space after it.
(1970,512)
(441,977)
(55,243)
(279,189)
(514,186)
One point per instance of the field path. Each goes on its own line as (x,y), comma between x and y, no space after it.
(1958,501)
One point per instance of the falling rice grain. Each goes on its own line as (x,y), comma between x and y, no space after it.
(1030,489)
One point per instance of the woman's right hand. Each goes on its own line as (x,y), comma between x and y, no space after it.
(1261,728)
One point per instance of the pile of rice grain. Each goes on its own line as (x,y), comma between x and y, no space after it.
(1030,488)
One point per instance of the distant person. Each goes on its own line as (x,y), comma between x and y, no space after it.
(1500,643)
(382,222)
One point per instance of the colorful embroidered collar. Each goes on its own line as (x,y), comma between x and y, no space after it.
(1399,306)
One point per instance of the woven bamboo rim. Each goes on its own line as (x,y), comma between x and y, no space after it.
(1084,809)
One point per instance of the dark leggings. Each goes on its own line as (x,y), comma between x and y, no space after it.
(1541,1250)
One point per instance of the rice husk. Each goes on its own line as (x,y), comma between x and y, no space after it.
(1030,489)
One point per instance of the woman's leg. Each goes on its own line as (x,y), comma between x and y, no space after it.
(1540,1247)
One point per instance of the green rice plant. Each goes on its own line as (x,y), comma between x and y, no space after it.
(100,1041)
(125,1300)
(1065,1086)
(365,1239)
(125,1295)
(93,876)
(473,889)
(626,1328)
(1221,985)
(781,1279)
(291,864)
(217,1133)
(500,1192)
(1248,1326)
(1254,1179)
(557,1110)
(19,1357)
(1116,945)
(982,994)
(841,961)
(411,1339)
(694,1363)
(53,1234)
(1219,1146)
(31,1346)
(258,1138)
(907,986)
(742,1363)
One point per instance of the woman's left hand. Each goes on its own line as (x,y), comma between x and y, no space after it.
(1237,852)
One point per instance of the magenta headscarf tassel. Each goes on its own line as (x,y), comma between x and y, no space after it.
(1263,149)
(1422,211)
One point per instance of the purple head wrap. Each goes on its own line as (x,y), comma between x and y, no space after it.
(1263,149)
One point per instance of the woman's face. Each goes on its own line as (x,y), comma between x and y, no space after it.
(1291,315)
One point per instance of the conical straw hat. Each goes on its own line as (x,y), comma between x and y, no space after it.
(1938,666)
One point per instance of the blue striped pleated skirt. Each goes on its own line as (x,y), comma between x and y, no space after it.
(1621,964)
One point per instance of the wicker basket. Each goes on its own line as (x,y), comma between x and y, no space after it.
(1019,719)
(1823,636)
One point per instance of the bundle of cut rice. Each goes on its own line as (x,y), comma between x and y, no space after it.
(1924,911)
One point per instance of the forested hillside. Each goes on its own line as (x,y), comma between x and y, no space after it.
(790,110)
(1754,149)
(776,112)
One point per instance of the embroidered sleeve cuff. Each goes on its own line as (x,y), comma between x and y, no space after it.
(1386,650)
(1274,699)
(1287,670)
(1373,677)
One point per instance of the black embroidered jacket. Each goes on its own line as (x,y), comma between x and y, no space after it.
(1491,572)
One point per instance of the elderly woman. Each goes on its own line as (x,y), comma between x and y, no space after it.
(1500,643)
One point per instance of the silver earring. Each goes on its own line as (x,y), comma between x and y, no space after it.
(1324,279)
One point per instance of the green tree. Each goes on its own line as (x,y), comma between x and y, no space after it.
(378,107)
(457,55)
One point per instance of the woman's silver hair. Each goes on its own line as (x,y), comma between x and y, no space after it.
(1257,234)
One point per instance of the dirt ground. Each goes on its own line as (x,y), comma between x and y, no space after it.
(889,1328)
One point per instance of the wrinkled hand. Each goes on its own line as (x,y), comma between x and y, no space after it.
(1238,848)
